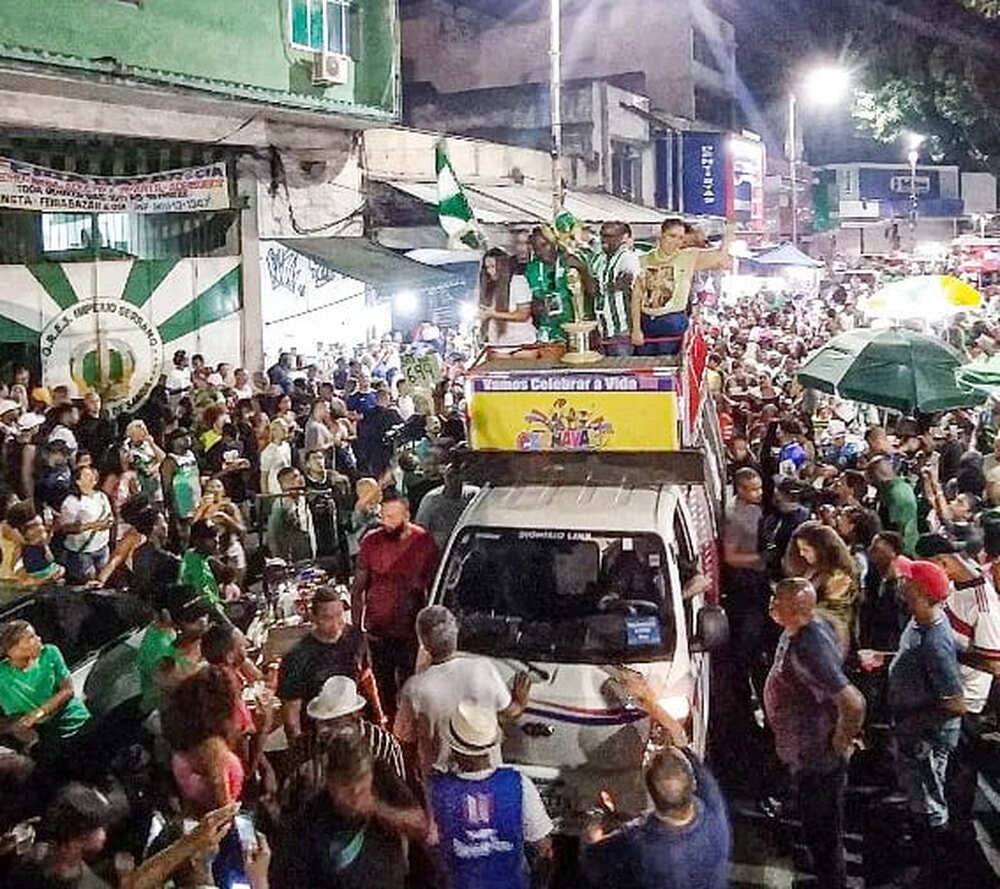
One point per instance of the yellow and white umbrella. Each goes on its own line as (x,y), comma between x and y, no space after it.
(931,297)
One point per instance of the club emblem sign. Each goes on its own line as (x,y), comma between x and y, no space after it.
(105,346)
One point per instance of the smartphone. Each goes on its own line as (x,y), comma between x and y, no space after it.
(247,832)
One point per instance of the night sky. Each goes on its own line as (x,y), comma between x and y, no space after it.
(778,38)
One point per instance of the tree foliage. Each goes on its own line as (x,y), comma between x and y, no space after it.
(930,68)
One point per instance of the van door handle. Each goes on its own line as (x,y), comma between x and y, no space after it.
(538,730)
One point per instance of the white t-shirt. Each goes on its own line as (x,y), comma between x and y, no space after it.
(77,510)
(974,615)
(535,822)
(513,333)
(428,699)
(405,406)
(273,459)
(178,380)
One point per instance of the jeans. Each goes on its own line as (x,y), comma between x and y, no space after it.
(963,770)
(85,566)
(619,346)
(672,324)
(921,763)
(821,805)
(393,662)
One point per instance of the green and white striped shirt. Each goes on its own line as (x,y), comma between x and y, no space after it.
(612,305)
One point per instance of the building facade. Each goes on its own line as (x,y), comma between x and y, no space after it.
(684,61)
(882,208)
(628,90)
(255,109)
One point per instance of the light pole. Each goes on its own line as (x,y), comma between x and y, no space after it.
(823,86)
(792,167)
(555,100)
(913,157)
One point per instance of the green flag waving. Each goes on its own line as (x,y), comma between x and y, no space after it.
(454,212)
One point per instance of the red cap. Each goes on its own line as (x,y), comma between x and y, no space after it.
(929,576)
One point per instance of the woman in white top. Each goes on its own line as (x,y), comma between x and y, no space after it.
(275,457)
(505,302)
(86,519)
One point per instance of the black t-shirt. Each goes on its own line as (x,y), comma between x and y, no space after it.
(153,569)
(26,874)
(311,662)
(322,849)
(54,485)
(96,436)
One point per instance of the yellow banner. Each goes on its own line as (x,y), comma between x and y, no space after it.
(573,421)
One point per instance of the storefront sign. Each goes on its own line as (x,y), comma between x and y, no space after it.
(27,187)
(746,172)
(105,346)
(573,412)
(704,174)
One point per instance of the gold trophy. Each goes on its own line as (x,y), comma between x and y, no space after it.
(578,332)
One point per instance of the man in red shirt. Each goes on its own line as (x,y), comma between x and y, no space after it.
(396,565)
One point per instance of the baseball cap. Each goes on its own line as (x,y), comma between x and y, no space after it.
(836,428)
(929,576)
(7,405)
(931,545)
(30,421)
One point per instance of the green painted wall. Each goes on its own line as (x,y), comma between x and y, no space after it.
(233,47)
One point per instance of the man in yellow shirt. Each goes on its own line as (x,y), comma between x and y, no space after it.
(662,288)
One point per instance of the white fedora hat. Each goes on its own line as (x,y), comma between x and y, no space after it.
(338,697)
(473,730)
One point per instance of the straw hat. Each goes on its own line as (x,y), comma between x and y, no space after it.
(338,697)
(472,729)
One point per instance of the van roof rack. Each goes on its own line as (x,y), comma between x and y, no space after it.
(626,469)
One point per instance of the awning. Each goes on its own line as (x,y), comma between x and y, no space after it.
(530,205)
(383,270)
(787,254)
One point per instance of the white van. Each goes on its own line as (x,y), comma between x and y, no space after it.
(570,566)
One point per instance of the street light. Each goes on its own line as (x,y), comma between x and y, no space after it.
(824,85)
(913,157)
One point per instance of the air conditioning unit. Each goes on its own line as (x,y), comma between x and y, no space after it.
(331,68)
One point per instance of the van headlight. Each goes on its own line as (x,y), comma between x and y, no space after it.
(676,706)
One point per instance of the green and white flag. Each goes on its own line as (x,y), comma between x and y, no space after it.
(454,212)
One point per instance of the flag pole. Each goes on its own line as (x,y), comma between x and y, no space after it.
(555,100)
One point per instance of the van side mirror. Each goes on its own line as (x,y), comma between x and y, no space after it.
(713,629)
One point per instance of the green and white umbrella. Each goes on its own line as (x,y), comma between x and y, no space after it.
(981,376)
(889,367)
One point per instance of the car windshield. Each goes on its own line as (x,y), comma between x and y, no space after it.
(80,622)
(570,596)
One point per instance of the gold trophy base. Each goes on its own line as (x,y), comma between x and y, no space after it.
(578,349)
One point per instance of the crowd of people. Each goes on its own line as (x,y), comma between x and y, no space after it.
(859,582)
(860,575)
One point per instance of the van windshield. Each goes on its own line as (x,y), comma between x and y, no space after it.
(570,596)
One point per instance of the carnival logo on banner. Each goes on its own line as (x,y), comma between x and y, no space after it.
(109,347)
(565,428)
(25,186)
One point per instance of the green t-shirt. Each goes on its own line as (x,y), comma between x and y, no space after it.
(899,512)
(185,485)
(197,573)
(23,691)
(548,284)
(156,645)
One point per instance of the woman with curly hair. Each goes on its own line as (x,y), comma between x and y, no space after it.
(200,722)
(817,553)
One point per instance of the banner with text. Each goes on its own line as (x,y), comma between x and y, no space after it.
(192,189)
(589,411)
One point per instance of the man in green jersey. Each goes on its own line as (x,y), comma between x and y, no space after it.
(615,268)
(552,301)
